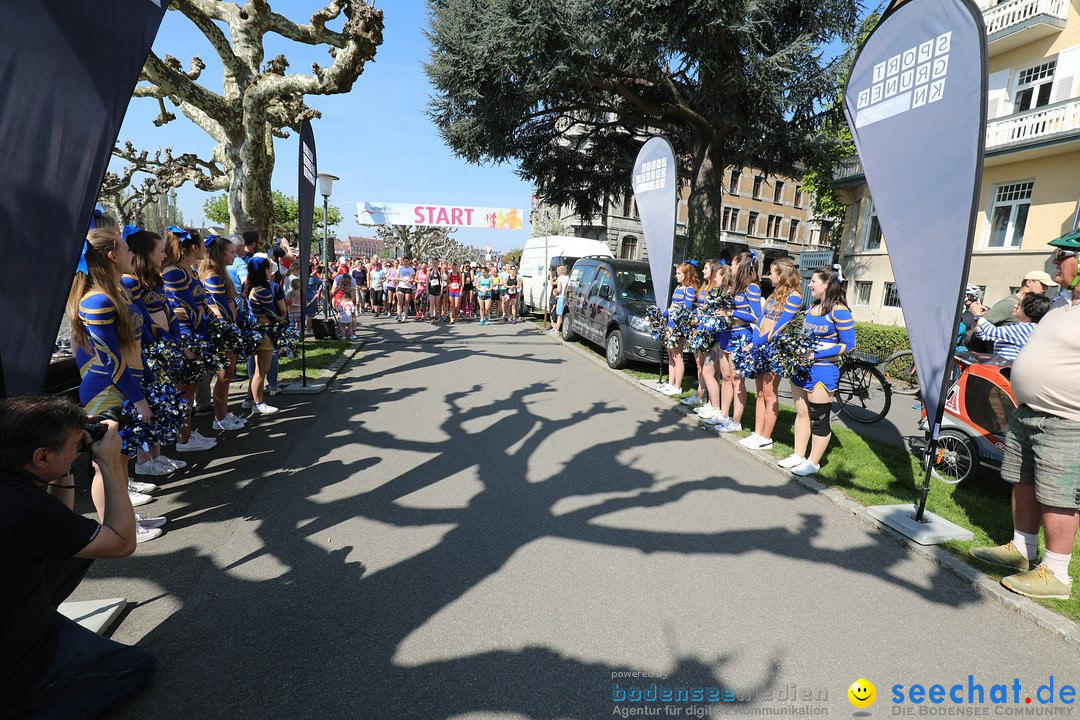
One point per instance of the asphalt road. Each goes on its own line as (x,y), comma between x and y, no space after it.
(477,522)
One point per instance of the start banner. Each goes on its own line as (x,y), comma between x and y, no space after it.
(376,213)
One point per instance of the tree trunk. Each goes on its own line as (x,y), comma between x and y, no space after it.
(705,203)
(251,205)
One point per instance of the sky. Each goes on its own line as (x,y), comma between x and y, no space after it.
(377,138)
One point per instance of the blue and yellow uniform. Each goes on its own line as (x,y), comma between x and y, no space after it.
(138,304)
(184,292)
(217,296)
(746,314)
(155,302)
(721,338)
(780,314)
(837,331)
(109,375)
(263,304)
(684,296)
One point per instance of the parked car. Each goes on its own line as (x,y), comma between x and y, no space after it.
(606,302)
(545,253)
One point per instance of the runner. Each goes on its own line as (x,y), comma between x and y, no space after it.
(468,294)
(422,277)
(454,283)
(484,283)
(746,295)
(830,319)
(435,283)
(504,302)
(391,287)
(512,289)
(782,307)
(496,290)
(377,277)
(406,278)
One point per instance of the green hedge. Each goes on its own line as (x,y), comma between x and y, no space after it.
(880,340)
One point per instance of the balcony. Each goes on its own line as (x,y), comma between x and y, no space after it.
(1045,125)
(736,238)
(1018,22)
(848,169)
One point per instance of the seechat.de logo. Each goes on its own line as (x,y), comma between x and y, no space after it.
(862,693)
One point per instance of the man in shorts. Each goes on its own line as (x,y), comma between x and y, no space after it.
(1042,448)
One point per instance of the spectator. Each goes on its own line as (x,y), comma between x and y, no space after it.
(49,664)
(1010,339)
(1035,282)
(239,265)
(1042,447)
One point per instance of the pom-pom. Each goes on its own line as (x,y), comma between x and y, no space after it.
(788,351)
(224,336)
(657,319)
(170,408)
(680,326)
(748,359)
(283,335)
(135,433)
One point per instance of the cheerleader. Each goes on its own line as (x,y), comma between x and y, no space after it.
(718,276)
(781,308)
(746,298)
(831,321)
(144,285)
(264,299)
(221,301)
(186,298)
(698,399)
(684,296)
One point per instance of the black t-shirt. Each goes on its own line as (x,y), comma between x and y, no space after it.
(34,526)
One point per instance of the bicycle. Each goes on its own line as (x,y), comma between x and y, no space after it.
(899,370)
(863,392)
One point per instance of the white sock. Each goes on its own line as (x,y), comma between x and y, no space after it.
(1026,543)
(1059,564)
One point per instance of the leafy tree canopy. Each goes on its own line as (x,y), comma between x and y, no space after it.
(285,215)
(568,89)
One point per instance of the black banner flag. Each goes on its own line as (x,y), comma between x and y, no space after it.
(68,72)
(307,174)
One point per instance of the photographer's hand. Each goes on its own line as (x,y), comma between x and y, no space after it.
(110,494)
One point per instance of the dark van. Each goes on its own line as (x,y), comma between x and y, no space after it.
(606,301)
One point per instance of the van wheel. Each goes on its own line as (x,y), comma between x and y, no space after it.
(613,350)
(568,333)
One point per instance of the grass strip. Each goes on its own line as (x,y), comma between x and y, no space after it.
(321,354)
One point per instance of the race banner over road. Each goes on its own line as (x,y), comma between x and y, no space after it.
(655,185)
(916,104)
(68,71)
(374,213)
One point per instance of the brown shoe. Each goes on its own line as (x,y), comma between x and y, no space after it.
(1038,583)
(1003,555)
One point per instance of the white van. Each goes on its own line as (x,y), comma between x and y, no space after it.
(557,250)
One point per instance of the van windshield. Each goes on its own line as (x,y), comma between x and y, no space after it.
(635,285)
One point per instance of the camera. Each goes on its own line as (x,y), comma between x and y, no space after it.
(96,429)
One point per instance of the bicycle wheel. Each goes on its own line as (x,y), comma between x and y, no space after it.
(899,370)
(863,393)
(956,459)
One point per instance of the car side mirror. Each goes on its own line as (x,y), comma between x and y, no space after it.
(605,292)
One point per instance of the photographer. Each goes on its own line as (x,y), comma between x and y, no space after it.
(49,665)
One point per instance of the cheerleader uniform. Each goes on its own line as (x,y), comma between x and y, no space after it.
(138,305)
(684,296)
(746,313)
(720,339)
(109,376)
(183,291)
(781,315)
(835,333)
(263,303)
(155,302)
(217,296)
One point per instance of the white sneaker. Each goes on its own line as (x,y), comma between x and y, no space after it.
(246,405)
(705,410)
(141,487)
(235,418)
(670,389)
(227,424)
(150,467)
(751,440)
(263,409)
(762,444)
(138,498)
(806,468)
(149,522)
(142,534)
(192,445)
(175,464)
(716,419)
(692,401)
(202,439)
(727,426)
(791,461)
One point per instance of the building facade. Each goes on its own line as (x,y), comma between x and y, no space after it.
(769,214)
(1031,170)
(358,247)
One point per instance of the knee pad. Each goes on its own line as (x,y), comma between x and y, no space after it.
(819,419)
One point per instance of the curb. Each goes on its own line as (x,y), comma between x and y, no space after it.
(1047,619)
(326,376)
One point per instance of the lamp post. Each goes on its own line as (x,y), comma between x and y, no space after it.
(326,184)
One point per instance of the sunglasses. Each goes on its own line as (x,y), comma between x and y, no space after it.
(1063,255)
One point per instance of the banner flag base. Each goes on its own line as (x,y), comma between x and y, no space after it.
(95,615)
(653,385)
(933,530)
(312,388)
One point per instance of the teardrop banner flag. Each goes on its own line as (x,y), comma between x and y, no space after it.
(655,185)
(68,71)
(916,105)
(307,174)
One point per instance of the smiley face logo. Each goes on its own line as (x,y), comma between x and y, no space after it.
(862,693)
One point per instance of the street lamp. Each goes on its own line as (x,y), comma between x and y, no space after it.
(326,184)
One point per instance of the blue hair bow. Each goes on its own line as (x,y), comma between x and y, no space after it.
(753,255)
(257,262)
(210,240)
(129,230)
(99,210)
(723,262)
(179,232)
(81,268)
(692,262)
